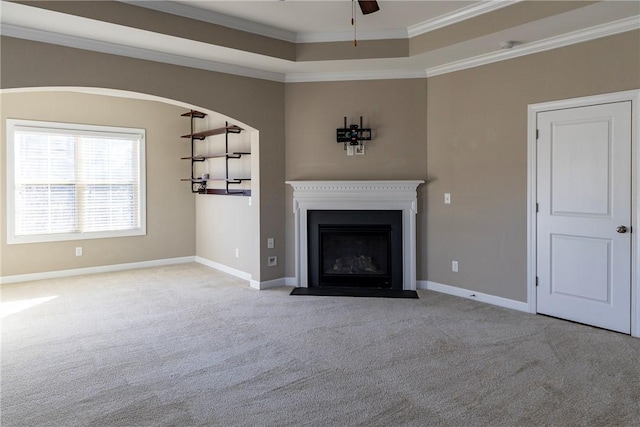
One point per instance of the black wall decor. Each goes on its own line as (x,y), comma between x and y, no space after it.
(354,134)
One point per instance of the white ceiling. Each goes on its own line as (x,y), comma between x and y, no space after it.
(307,16)
(304,20)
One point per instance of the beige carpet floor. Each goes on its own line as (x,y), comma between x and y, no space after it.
(186,345)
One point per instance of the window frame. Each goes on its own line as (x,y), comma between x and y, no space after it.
(12,124)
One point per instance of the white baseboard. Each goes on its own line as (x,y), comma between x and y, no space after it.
(477,296)
(144,264)
(289,282)
(93,270)
(225,269)
(268,284)
(284,281)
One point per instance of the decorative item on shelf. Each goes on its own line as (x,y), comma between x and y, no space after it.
(354,134)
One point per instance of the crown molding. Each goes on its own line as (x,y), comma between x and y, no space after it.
(354,75)
(458,16)
(342,36)
(212,17)
(10,30)
(580,36)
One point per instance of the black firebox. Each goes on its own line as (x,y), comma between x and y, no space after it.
(358,249)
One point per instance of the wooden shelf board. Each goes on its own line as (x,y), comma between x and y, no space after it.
(224,192)
(212,132)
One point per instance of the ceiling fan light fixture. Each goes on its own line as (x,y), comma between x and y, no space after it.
(368,6)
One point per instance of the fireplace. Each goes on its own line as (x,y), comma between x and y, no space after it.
(355,256)
(355,248)
(356,197)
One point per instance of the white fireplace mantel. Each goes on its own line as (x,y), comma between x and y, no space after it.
(356,195)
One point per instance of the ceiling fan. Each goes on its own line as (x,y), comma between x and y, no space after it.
(367,7)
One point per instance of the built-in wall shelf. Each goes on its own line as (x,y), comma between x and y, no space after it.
(201,181)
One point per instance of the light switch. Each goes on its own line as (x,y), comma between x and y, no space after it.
(447,198)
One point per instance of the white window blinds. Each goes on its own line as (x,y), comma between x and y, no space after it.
(74,181)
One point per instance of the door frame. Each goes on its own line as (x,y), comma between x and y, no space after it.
(532,165)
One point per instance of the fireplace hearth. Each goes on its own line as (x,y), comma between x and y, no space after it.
(355,248)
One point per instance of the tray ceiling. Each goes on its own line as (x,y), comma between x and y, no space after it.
(302,40)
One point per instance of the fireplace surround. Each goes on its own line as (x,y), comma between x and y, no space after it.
(310,196)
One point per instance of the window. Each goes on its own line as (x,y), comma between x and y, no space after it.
(68,181)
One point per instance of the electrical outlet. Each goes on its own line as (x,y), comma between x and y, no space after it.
(237,253)
(79,251)
(447,198)
(272,261)
(270,243)
(249,200)
(349,150)
(454,266)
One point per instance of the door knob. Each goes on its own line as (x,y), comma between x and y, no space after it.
(621,229)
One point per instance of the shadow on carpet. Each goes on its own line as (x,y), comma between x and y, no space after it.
(355,292)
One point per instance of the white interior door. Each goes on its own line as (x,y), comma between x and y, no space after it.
(584,215)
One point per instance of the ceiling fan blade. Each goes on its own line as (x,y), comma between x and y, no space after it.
(368,6)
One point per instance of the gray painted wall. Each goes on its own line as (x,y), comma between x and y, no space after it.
(465,132)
